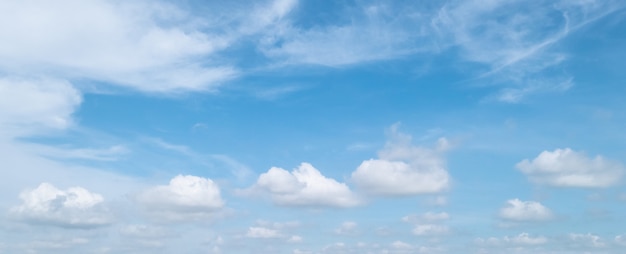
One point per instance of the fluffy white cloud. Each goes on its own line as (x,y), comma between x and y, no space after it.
(518,210)
(305,186)
(404,169)
(185,197)
(75,207)
(568,168)
(28,105)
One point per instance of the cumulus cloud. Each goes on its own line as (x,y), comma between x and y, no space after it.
(75,207)
(305,186)
(518,210)
(568,168)
(185,197)
(404,169)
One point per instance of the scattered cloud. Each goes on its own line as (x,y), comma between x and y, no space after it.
(620,240)
(75,207)
(403,169)
(261,232)
(426,217)
(517,210)
(184,198)
(295,239)
(568,168)
(517,42)
(521,239)
(430,229)
(305,186)
(587,240)
(347,228)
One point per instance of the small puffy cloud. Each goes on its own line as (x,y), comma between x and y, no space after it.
(620,240)
(75,207)
(426,217)
(143,231)
(185,197)
(518,210)
(261,232)
(588,240)
(519,240)
(305,186)
(347,228)
(401,245)
(295,239)
(568,168)
(404,169)
(430,229)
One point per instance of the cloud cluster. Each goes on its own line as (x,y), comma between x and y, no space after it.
(569,168)
(517,210)
(186,197)
(75,207)
(428,224)
(305,186)
(404,169)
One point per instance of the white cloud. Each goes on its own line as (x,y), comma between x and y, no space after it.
(430,229)
(588,240)
(518,210)
(261,232)
(295,239)
(347,228)
(517,42)
(401,245)
(305,186)
(75,207)
(568,168)
(185,197)
(33,105)
(521,239)
(143,231)
(149,46)
(376,32)
(620,240)
(426,217)
(404,169)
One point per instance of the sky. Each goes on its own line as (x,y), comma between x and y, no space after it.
(300,126)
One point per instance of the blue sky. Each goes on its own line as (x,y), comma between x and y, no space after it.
(292,126)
